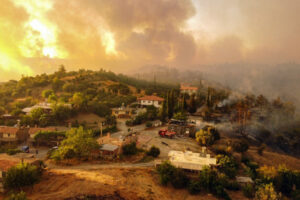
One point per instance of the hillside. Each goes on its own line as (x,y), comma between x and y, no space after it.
(86,91)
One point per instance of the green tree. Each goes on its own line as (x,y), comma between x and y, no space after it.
(47,93)
(79,143)
(154,152)
(267,192)
(163,112)
(228,165)
(207,136)
(180,116)
(52,98)
(36,115)
(68,87)
(61,113)
(193,105)
(79,101)
(57,84)
(165,171)
(130,149)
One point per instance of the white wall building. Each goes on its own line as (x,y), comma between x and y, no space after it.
(191,161)
(151,100)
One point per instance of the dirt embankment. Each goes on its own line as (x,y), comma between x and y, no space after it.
(118,184)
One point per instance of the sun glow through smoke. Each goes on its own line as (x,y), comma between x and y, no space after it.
(40,37)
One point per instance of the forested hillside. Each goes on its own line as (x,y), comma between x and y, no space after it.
(86,91)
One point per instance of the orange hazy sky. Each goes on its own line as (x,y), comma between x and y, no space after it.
(37,36)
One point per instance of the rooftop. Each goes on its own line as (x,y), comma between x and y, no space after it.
(9,129)
(109,147)
(191,160)
(151,98)
(186,87)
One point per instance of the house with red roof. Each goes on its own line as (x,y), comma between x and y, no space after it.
(186,89)
(150,100)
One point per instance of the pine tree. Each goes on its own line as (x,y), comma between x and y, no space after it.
(193,106)
(163,113)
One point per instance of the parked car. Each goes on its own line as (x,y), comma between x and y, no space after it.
(25,149)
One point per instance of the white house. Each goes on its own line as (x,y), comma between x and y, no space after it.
(150,100)
(190,160)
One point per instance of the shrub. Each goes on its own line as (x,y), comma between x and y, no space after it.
(248,190)
(129,122)
(267,192)
(154,152)
(165,171)
(228,165)
(284,181)
(130,149)
(220,192)
(179,179)
(19,196)
(168,173)
(21,175)
(148,124)
(194,187)
(13,151)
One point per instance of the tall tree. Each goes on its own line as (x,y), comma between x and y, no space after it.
(163,111)
(193,105)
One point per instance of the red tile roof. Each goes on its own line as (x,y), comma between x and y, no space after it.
(8,129)
(188,88)
(151,98)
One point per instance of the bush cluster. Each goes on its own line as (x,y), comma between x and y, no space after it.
(153,151)
(18,196)
(228,165)
(208,180)
(21,175)
(129,149)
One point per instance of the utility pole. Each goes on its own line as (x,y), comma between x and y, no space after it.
(100,127)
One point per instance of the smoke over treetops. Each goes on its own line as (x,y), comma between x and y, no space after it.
(121,35)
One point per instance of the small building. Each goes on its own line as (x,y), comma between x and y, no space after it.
(10,134)
(189,160)
(47,107)
(185,89)
(244,180)
(181,128)
(109,150)
(151,100)
(123,112)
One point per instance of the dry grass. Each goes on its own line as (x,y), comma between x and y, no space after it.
(274,159)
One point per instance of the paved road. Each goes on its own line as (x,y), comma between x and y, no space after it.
(124,129)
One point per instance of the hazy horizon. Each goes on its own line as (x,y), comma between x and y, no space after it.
(119,35)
